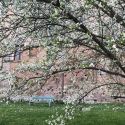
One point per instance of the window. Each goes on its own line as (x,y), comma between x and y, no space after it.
(14,56)
(17,54)
(62,55)
(9,58)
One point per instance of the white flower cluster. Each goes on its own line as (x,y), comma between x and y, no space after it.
(30,67)
(7,76)
(112,2)
(87,109)
(56,121)
(71,99)
(60,119)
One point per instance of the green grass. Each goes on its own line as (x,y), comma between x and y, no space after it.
(23,114)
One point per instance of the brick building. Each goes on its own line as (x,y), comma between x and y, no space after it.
(61,84)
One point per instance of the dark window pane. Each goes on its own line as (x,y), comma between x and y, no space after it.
(17,55)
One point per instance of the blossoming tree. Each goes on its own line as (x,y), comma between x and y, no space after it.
(93,28)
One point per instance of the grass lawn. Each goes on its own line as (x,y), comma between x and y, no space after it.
(100,114)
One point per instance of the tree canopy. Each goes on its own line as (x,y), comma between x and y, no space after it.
(98,26)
